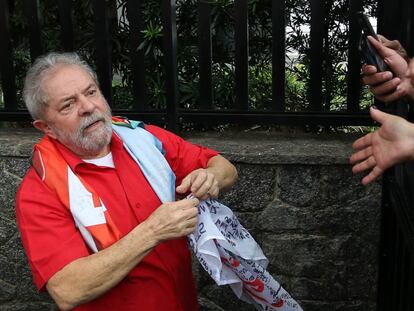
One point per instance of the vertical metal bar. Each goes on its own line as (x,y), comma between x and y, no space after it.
(316,46)
(66,22)
(205,52)
(387,24)
(242,55)
(410,28)
(354,59)
(402,277)
(103,49)
(410,287)
(404,22)
(396,269)
(406,293)
(7,73)
(170,56)
(386,246)
(136,25)
(31,8)
(278,54)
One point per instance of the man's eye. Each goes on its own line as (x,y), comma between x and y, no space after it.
(91,92)
(66,106)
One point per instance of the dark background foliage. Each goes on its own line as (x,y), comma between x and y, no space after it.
(334,53)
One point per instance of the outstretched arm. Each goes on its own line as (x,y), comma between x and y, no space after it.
(392,143)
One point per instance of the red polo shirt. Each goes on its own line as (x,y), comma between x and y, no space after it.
(163,279)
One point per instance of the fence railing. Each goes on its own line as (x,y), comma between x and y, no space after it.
(239,110)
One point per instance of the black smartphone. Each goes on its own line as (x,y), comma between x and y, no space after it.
(368,52)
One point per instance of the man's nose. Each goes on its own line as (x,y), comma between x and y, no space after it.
(86,105)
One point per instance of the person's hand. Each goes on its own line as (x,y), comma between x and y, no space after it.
(394,45)
(389,85)
(201,183)
(407,82)
(174,219)
(392,143)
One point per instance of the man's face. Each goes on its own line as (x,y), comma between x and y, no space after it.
(77,114)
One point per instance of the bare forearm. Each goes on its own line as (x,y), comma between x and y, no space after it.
(87,278)
(224,171)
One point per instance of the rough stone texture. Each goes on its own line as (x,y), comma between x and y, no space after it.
(296,194)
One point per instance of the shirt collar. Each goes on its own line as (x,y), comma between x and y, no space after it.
(73,160)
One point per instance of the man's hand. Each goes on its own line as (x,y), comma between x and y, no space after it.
(392,143)
(206,183)
(394,45)
(389,85)
(173,219)
(201,183)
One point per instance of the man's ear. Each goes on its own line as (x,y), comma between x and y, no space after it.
(42,125)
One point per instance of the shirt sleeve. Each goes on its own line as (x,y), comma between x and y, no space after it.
(183,156)
(47,229)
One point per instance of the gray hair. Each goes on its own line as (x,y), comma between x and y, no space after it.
(34,96)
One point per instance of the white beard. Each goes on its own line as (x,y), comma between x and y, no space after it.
(87,143)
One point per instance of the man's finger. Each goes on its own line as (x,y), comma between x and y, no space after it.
(364,165)
(185,185)
(197,181)
(378,115)
(374,174)
(204,187)
(369,69)
(377,78)
(390,97)
(214,193)
(362,142)
(382,50)
(187,203)
(385,88)
(392,44)
(361,155)
(192,202)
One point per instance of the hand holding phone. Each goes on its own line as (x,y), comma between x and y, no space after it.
(368,52)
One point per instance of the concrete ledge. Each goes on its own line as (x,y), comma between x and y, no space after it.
(279,148)
(250,147)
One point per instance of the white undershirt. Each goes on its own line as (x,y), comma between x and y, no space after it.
(103,161)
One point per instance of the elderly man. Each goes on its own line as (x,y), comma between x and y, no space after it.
(99,223)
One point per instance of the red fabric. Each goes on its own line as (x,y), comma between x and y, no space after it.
(163,279)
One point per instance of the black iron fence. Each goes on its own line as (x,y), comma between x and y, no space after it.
(239,110)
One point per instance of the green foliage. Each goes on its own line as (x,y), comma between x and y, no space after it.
(296,87)
(333,54)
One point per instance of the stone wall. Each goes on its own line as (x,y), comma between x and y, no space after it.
(296,194)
